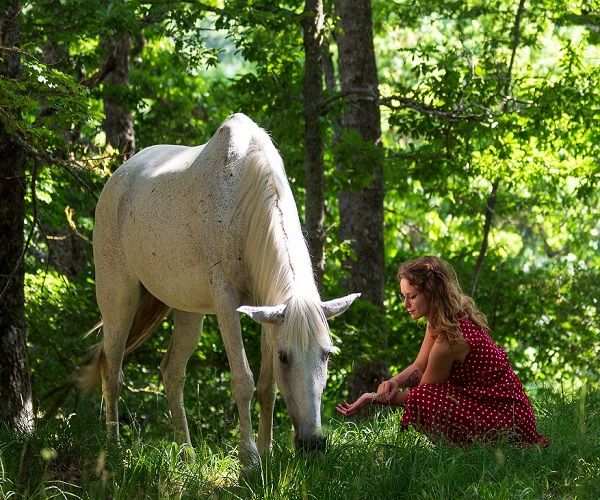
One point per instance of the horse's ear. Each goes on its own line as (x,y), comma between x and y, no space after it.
(265,314)
(335,307)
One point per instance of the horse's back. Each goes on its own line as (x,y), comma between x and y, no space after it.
(167,164)
(147,166)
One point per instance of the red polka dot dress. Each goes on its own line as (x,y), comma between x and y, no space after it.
(482,399)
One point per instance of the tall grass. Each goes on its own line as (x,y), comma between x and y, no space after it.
(371,459)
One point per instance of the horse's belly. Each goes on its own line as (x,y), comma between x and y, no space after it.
(169,262)
(185,289)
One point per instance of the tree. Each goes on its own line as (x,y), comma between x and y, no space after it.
(313,140)
(360,164)
(118,122)
(15,386)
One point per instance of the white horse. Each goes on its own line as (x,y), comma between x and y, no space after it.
(203,230)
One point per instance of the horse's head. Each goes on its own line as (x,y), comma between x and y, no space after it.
(299,342)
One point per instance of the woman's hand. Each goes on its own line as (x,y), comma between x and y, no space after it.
(348,409)
(386,390)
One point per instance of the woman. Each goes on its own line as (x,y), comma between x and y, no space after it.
(461,386)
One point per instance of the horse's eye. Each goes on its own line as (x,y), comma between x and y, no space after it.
(325,356)
(283,358)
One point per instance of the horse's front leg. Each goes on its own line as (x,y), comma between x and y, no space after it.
(242,381)
(266,394)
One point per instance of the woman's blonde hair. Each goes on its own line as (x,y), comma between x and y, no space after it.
(437,281)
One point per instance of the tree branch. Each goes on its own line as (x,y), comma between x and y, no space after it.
(100,75)
(515,40)
(489,214)
(267,8)
(397,102)
(45,157)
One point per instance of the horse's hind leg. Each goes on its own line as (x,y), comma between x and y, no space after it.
(118,300)
(183,343)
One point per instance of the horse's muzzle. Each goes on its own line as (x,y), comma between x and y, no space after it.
(316,443)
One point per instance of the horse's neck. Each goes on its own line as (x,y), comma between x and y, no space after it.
(275,251)
(280,265)
(286,271)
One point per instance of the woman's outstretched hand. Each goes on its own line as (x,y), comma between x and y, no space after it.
(349,409)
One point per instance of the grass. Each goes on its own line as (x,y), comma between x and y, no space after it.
(370,459)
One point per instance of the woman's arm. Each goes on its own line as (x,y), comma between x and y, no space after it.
(368,398)
(423,356)
(411,375)
(441,357)
(397,399)
(439,363)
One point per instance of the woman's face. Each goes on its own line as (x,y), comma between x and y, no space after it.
(414,301)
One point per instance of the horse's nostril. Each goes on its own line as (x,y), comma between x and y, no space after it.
(316,443)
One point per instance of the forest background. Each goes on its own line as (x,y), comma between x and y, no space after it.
(482,148)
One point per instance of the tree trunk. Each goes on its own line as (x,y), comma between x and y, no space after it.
(15,384)
(118,122)
(360,165)
(332,89)
(313,141)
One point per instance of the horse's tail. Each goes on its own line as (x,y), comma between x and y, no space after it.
(149,314)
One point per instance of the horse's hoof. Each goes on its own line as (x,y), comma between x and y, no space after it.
(250,459)
(316,443)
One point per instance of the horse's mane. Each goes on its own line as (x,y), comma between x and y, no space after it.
(274,248)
